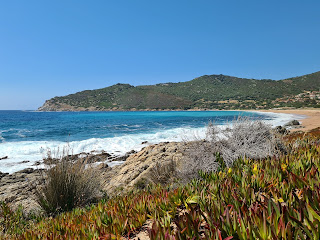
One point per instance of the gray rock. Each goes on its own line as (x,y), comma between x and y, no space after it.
(138,166)
(292,123)
(281,130)
(3,174)
(18,188)
(102,166)
(26,161)
(26,170)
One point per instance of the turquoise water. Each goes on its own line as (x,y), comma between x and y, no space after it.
(26,136)
(18,126)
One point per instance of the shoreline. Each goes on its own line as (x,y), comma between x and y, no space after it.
(310,121)
(16,187)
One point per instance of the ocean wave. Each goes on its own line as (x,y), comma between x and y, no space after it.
(33,151)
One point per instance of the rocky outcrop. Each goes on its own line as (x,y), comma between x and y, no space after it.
(19,188)
(138,166)
(48,106)
(53,106)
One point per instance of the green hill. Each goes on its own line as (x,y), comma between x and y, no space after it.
(208,91)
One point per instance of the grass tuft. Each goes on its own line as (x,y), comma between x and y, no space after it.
(68,185)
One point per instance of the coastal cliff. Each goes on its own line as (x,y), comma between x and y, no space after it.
(51,105)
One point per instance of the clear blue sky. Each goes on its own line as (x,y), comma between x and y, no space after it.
(53,48)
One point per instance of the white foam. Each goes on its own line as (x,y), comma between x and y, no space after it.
(280,119)
(33,151)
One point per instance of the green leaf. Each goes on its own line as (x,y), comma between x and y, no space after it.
(313,213)
(193,200)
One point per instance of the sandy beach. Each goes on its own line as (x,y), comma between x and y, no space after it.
(311,121)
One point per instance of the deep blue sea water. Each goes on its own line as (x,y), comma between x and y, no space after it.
(27,136)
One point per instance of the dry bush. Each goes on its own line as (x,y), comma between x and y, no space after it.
(245,138)
(67,185)
(199,156)
(163,173)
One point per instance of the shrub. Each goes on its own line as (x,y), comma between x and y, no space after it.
(163,173)
(245,138)
(10,221)
(141,184)
(14,221)
(199,156)
(68,185)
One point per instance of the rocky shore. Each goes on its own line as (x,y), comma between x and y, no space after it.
(118,174)
(19,188)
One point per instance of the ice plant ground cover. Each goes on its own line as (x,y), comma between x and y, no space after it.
(275,198)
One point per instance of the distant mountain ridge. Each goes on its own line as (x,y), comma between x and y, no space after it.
(205,92)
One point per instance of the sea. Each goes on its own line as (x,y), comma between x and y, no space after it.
(26,137)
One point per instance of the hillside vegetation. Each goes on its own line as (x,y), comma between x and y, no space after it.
(208,91)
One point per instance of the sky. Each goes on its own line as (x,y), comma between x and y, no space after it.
(54,48)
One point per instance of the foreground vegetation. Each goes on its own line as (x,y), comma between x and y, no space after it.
(274,198)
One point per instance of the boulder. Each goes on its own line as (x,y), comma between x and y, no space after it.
(292,123)
(138,166)
(281,130)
